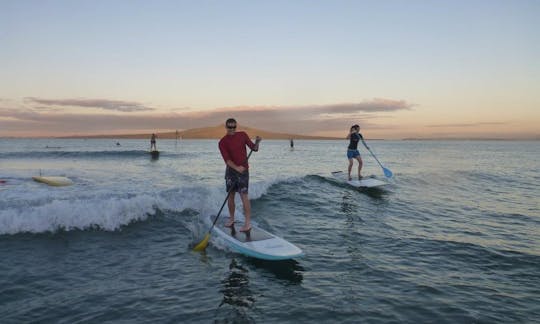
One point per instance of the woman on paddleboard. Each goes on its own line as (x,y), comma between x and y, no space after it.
(233,150)
(352,151)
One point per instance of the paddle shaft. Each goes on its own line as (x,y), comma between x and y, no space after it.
(374,157)
(386,171)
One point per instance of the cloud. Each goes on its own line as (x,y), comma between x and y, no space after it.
(118,105)
(376,105)
(287,119)
(19,114)
(304,113)
(49,109)
(302,119)
(43,123)
(468,124)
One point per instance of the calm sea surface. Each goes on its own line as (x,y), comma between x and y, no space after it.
(455,237)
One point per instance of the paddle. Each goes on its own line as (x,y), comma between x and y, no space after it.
(386,171)
(204,243)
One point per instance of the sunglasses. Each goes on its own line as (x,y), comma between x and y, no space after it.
(231,127)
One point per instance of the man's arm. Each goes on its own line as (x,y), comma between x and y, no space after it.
(253,146)
(228,160)
(226,157)
(235,167)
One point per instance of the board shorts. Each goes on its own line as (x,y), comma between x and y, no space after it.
(236,182)
(351,154)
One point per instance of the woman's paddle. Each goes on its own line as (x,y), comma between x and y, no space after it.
(386,171)
(204,243)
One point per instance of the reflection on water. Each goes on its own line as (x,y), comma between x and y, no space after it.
(351,241)
(375,192)
(154,155)
(289,270)
(348,207)
(236,285)
(236,291)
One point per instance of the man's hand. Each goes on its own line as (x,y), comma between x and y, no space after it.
(240,169)
(258,139)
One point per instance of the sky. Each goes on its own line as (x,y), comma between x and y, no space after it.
(399,69)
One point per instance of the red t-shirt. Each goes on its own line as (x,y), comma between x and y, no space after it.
(233,147)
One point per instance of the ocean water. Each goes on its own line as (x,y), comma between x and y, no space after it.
(454,237)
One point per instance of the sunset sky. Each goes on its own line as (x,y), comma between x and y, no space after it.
(400,69)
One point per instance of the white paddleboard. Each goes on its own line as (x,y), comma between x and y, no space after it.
(54,181)
(366,182)
(258,243)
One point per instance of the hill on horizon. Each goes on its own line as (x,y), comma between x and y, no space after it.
(212,132)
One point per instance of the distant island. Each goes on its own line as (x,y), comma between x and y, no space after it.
(218,131)
(213,132)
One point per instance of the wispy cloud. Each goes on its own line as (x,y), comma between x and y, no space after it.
(375,105)
(468,124)
(305,119)
(117,105)
(48,109)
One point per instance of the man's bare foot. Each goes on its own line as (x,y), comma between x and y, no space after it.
(246,229)
(230,222)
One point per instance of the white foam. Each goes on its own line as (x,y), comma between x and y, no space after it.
(108,214)
(35,208)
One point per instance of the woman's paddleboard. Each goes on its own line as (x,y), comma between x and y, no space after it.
(54,181)
(258,243)
(366,182)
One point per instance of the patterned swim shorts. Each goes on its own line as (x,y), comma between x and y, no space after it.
(237,182)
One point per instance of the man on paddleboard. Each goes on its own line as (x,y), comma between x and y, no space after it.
(233,150)
(153,143)
(352,151)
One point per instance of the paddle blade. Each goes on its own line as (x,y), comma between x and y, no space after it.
(203,244)
(387,173)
